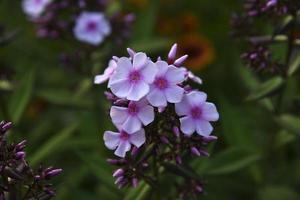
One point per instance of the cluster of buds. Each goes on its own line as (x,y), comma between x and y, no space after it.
(160,118)
(86,19)
(272,12)
(18,180)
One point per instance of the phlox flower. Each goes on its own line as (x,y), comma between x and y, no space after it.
(132,117)
(132,77)
(34,8)
(107,72)
(91,27)
(197,113)
(121,141)
(164,88)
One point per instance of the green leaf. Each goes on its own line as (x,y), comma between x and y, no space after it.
(21,96)
(53,145)
(290,123)
(295,64)
(278,193)
(283,137)
(229,161)
(138,193)
(265,89)
(151,45)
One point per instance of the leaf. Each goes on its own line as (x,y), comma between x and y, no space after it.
(229,161)
(266,89)
(154,45)
(21,96)
(53,145)
(138,193)
(283,137)
(290,123)
(278,193)
(295,64)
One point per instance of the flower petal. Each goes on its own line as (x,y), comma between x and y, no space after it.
(209,112)
(122,71)
(183,107)
(187,125)
(132,124)
(157,98)
(146,115)
(118,114)
(174,94)
(175,75)
(204,128)
(138,91)
(121,88)
(99,79)
(123,147)
(162,67)
(139,60)
(111,139)
(149,72)
(138,138)
(196,98)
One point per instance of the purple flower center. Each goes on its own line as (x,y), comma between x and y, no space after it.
(124,136)
(38,1)
(161,83)
(133,109)
(91,26)
(196,112)
(134,76)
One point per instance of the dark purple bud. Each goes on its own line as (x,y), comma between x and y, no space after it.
(50,191)
(37,177)
(209,138)
(176,131)
(145,165)
(118,172)
(121,102)
(131,52)
(271,3)
(180,61)
(109,96)
(135,182)
(164,139)
(172,53)
(199,189)
(134,151)
(20,155)
(53,173)
(203,152)
(119,179)
(178,160)
(195,151)
(21,145)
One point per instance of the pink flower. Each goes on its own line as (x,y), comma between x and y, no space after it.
(164,88)
(131,79)
(99,79)
(122,141)
(91,27)
(197,113)
(132,117)
(34,8)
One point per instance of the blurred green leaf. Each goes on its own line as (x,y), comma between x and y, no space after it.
(283,137)
(155,45)
(278,193)
(54,144)
(290,123)
(21,96)
(138,193)
(266,88)
(228,161)
(295,64)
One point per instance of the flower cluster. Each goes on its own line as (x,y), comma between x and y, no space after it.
(281,16)
(18,180)
(86,19)
(159,117)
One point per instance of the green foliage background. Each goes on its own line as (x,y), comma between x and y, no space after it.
(256,156)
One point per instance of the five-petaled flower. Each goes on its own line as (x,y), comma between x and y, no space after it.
(132,117)
(197,113)
(91,27)
(34,8)
(122,141)
(165,86)
(132,79)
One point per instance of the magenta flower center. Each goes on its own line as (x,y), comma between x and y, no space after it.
(91,26)
(124,136)
(133,109)
(196,112)
(161,83)
(134,77)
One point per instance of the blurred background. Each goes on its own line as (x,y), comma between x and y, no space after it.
(47,90)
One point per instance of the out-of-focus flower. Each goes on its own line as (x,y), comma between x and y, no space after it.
(132,117)
(34,8)
(197,113)
(108,72)
(199,49)
(131,80)
(91,27)
(122,141)
(189,22)
(164,88)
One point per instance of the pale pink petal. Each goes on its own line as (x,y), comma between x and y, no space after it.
(99,79)
(146,115)
(187,125)
(111,139)
(209,112)
(162,67)
(121,72)
(149,72)
(174,94)
(157,98)
(121,88)
(175,75)
(196,98)
(132,124)
(138,91)
(183,107)
(138,138)
(203,128)
(118,114)
(123,147)
(139,60)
